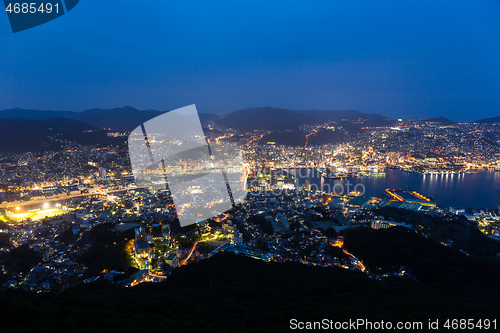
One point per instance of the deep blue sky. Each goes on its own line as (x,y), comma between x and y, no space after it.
(402,59)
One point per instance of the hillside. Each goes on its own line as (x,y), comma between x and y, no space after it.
(35,114)
(231,293)
(267,118)
(118,119)
(488,120)
(124,119)
(443,120)
(298,137)
(26,135)
(20,135)
(270,118)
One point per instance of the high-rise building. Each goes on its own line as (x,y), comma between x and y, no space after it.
(307,185)
(102,173)
(165,232)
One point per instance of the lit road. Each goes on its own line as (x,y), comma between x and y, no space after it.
(256,138)
(363,267)
(183,262)
(314,131)
(161,277)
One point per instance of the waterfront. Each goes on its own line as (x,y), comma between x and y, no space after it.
(481,189)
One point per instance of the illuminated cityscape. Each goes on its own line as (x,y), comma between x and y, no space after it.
(249,166)
(54,201)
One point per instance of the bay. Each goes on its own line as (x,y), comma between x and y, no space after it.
(481,189)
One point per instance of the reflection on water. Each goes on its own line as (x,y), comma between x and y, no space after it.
(481,189)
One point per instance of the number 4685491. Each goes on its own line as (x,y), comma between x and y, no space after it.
(32,8)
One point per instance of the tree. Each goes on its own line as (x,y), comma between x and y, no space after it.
(4,239)
(65,235)
(20,259)
(330,233)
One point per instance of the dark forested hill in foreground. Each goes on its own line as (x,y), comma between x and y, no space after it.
(231,293)
(429,261)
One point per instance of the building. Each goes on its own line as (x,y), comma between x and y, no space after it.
(284,222)
(142,249)
(173,260)
(165,233)
(382,224)
(141,244)
(102,173)
(307,185)
(457,211)
(227,229)
(140,234)
(237,237)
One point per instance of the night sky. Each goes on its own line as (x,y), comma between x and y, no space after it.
(402,59)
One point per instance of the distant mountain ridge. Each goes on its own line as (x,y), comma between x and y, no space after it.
(35,130)
(488,120)
(261,118)
(118,119)
(35,114)
(127,118)
(271,118)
